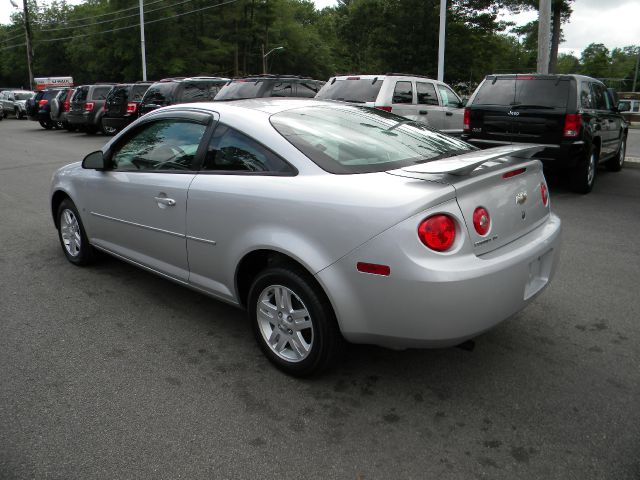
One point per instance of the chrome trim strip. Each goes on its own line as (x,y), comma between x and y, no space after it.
(146,227)
(203,240)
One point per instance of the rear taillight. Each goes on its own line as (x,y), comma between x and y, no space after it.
(132,107)
(438,232)
(88,106)
(386,109)
(42,102)
(572,125)
(544,193)
(481,221)
(466,123)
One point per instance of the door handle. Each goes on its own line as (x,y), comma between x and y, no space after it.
(449,114)
(169,202)
(423,112)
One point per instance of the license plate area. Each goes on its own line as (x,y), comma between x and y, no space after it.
(539,273)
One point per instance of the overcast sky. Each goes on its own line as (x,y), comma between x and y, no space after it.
(615,23)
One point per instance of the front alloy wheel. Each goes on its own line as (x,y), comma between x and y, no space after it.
(73,238)
(584,175)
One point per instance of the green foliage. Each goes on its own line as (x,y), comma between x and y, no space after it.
(99,40)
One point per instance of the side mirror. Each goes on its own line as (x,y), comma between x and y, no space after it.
(94,161)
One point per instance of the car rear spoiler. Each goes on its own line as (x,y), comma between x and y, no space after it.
(467,162)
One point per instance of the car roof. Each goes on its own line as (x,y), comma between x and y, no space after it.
(268,105)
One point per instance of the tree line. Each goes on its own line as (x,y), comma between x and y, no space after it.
(99,40)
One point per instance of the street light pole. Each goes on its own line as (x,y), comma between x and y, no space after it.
(635,76)
(144,56)
(443,22)
(265,55)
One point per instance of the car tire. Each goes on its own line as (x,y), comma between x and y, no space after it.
(302,346)
(584,174)
(46,125)
(72,236)
(70,127)
(58,125)
(19,114)
(90,129)
(616,163)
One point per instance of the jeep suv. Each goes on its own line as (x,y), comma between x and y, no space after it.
(411,96)
(258,86)
(86,107)
(171,91)
(121,105)
(60,105)
(576,116)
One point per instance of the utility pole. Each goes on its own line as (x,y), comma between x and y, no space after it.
(144,55)
(544,35)
(27,32)
(264,61)
(443,22)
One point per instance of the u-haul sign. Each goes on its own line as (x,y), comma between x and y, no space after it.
(52,82)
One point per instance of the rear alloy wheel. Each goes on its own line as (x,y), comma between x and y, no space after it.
(616,163)
(293,321)
(584,174)
(73,238)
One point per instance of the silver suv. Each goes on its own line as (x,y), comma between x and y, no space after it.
(12,102)
(411,96)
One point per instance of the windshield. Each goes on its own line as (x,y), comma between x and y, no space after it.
(353,89)
(352,139)
(23,96)
(239,89)
(526,90)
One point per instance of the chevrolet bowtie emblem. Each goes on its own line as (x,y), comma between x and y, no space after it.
(521,198)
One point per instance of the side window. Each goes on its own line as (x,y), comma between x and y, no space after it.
(449,97)
(100,93)
(307,89)
(426,93)
(195,92)
(402,93)
(162,145)
(599,97)
(282,89)
(232,151)
(636,106)
(213,90)
(585,96)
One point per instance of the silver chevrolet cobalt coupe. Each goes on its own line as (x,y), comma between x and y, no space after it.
(324,221)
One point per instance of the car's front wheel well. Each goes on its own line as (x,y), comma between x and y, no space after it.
(255,262)
(56,200)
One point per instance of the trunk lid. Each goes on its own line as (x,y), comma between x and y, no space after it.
(505,181)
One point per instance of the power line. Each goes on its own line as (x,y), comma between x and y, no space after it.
(136,25)
(13,46)
(115,19)
(107,14)
(4,40)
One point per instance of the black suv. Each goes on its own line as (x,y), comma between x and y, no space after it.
(170,91)
(122,104)
(576,116)
(86,107)
(39,107)
(269,86)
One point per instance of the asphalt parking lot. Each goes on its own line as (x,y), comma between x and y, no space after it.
(109,372)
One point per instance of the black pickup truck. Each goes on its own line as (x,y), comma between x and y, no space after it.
(577,116)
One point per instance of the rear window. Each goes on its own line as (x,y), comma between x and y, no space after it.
(239,89)
(100,93)
(356,90)
(543,92)
(118,95)
(353,139)
(160,92)
(81,94)
(137,92)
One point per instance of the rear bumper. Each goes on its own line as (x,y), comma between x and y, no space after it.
(562,155)
(433,302)
(84,118)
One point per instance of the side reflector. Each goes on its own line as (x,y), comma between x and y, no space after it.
(373,268)
(386,109)
(513,173)
(466,120)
